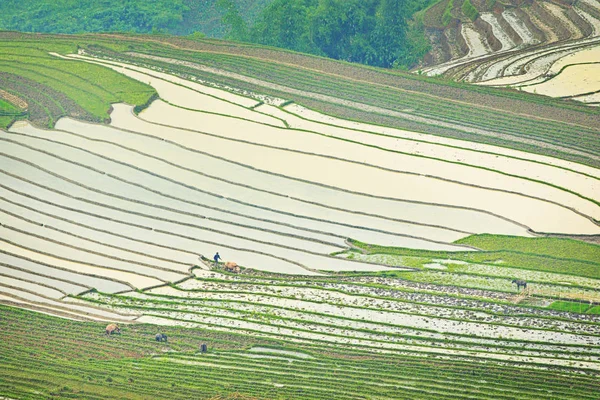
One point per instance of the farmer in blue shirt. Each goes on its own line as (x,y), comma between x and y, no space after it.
(217,257)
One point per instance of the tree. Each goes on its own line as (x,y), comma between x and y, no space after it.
(285,24)
(389,35)
(374,32)
(233,20)
(340,28)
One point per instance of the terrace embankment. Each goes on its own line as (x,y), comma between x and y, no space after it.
(543,32)
(243,366)
(431,111)
(267,212)
(403,117)
(443,91)
(361,247)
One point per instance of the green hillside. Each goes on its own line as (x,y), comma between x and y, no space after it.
(520,120)
(53,87)
(374,32)
(180,17)
(81,362)
(306,172)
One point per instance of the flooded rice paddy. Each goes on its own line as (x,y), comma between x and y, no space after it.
(138,208)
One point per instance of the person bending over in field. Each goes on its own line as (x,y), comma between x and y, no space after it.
(217,257)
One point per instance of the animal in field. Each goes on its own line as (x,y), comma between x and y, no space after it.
(519,283)
(230,266)
(112,328)
(161,337)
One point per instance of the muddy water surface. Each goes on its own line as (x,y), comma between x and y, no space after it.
(573,80)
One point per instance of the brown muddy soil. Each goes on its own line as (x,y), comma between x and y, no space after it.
(45,105)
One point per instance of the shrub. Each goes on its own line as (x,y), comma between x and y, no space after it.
(447,16)
(469,10)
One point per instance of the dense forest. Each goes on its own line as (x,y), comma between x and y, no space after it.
(75,16)
(375,32)
(179,17)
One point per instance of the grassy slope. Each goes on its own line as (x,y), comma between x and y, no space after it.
(570,306)
(8,111)
(551,247)
(564,256)
(5,121)
(54,87)
(67,359)
(7,107)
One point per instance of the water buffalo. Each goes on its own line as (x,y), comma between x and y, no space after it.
(112,328)
(232,267)
(520,282)
(161,337)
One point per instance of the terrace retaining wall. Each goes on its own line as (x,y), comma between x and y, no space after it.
(557,26)
(486,29)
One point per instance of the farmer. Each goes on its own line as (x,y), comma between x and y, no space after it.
(217,257)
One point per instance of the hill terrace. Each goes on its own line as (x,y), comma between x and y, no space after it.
(542,47)
(378,218)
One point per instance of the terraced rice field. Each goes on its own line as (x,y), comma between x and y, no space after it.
(249,368)
(376,261)
(541,47)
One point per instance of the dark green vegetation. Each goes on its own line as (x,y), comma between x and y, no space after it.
(442,13)
(180,17)
(470,11)
(54,87)
(76,16)
(445,11)
(447,15)
(213,17)
(373,32)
